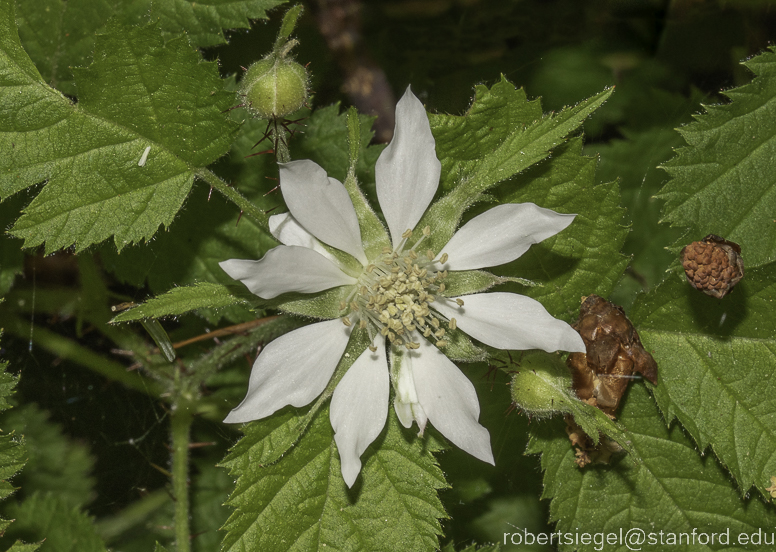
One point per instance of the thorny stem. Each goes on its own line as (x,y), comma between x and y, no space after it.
(181,429)
(235,197)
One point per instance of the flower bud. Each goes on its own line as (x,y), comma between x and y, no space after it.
(274,87)
(541,385)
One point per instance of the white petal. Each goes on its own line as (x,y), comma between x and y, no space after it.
(288,231)
(322,206)
(293,369)
(359,407)
(450,401)
(287,268)
(407,171)
(403,412)
(511,321)
(501,234)
(405,401)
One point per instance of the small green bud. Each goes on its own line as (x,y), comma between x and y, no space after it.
(274,87)
(542,386)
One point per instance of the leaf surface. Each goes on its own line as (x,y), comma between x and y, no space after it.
(60,34)
(584,258)
(673,490)
(302,503)
(724,181)
(716,373)
(138,94)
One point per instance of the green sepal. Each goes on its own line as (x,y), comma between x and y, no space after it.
(467,282)
(501,135)
(461,349)
(160,337)
(541,387)
(289,23)
(322,305)
(204,295)
(373,234)
(354,137)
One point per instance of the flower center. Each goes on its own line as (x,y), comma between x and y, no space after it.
(393,295)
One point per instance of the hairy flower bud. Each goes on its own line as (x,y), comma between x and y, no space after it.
(274,87)
(540,386)
(713,265)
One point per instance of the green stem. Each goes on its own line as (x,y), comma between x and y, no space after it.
(134,515)
(235,197)
(282,153)
(181,429)
(70,350)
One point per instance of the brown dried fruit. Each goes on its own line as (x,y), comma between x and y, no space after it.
(713,265)
(614,354)
(585,451)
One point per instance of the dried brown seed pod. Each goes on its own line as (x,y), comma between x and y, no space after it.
(713,265)
(585,452)
(614,354)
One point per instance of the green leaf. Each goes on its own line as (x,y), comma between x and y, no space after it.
(209,492)
(13,454)
(7,384)
(55,463)
(205,233)
(584,258)
(724,181)
(159,548)
(59,34)
(65,527)
(23,547)
(500,136)
(716,375)
(302,503)
(139,93)
(180,300)
(634,161)
(204,21)
(673,490)
(473,548)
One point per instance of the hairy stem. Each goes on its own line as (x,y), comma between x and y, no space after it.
(69,349)
(245,205)
(181,429)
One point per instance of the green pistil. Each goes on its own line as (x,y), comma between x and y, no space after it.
(393,294)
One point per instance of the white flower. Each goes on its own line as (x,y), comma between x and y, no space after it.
(405,310)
